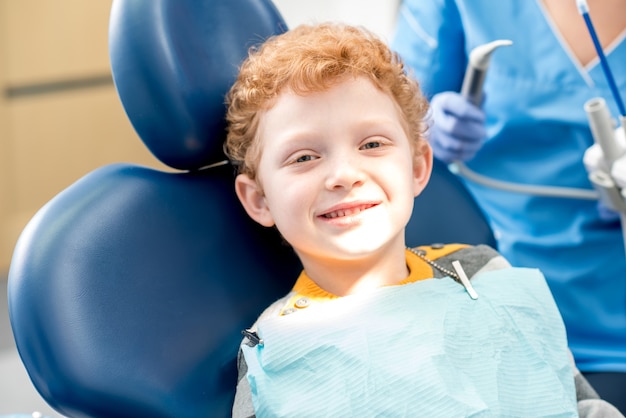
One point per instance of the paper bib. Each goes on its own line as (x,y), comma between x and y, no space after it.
(420,349)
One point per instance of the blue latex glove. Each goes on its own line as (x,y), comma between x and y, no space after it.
(458,128)
(607,214)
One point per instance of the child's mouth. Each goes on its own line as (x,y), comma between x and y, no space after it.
(347,211)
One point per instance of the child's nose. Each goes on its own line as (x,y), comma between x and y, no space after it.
(344,173)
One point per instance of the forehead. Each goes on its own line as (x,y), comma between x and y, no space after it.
(345,102)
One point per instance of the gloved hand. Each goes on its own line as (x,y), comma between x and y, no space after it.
(458,127)
(607,214)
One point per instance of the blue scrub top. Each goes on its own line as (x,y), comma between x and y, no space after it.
(538,132)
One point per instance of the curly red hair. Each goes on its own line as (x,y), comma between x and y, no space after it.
(307,59)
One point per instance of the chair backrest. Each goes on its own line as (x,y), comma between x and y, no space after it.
(128,290)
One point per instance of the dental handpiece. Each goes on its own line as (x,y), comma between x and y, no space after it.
(603,129)
(607,179)
(472,89)
(476,71)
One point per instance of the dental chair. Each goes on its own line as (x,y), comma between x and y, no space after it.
(128,291)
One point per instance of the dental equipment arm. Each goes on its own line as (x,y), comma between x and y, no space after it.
(472,89)
(606,159)
(601,158)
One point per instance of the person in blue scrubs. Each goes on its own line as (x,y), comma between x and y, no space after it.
(532,129)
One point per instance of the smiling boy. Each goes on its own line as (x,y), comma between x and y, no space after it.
(337,177)
(327,131)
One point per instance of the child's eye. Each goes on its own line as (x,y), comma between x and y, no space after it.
(304,158)
(371,145)
(301,157)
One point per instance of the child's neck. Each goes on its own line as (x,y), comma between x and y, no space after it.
(342,278)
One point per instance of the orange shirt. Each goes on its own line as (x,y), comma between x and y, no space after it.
(307,292)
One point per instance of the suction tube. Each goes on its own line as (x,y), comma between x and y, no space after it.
(472,88)
(602,129)
(477,67)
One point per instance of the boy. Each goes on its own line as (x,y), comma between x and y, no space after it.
(327,133)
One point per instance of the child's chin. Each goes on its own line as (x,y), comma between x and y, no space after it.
(360,245)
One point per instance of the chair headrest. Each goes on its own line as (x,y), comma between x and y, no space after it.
(172,64)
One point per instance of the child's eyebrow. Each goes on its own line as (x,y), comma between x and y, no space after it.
(384,125)
(296,141)
(299,136)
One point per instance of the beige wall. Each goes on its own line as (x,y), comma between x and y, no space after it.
(50,139)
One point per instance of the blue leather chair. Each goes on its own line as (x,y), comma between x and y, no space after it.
(129,289)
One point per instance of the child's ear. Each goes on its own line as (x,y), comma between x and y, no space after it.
(422,166)
(253,200)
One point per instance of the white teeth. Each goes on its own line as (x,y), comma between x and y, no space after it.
(345,212)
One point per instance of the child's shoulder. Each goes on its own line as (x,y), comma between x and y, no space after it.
(473,258)
(274,309)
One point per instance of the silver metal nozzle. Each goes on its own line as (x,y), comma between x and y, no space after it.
(476,71)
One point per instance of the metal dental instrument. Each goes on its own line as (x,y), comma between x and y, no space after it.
(472,89)
(476,71)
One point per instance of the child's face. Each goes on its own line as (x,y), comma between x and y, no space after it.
(337,175)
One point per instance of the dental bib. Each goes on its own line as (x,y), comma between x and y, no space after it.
(420,349)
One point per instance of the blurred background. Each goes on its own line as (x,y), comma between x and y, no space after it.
(60,118)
